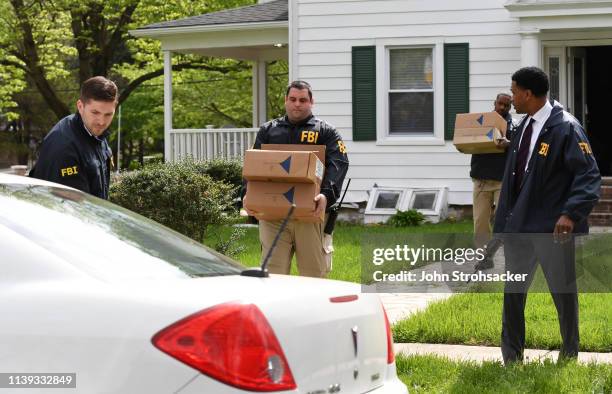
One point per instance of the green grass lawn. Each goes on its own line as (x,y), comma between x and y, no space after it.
(475,319)
(431,374)
(347,243)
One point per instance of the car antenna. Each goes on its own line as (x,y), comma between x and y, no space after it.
(262,272)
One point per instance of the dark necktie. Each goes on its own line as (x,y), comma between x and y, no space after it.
(523,155)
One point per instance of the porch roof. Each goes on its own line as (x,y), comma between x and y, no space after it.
(258,32)
(262,13)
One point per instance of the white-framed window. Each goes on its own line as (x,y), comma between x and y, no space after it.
(555,60)
(410,91)
(410,94)
(424,200)
(553,76)
(390,200)
(386,200)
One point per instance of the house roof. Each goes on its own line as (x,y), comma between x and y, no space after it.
(272,11)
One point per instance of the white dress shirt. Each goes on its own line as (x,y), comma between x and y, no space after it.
(539,118)
(90,133)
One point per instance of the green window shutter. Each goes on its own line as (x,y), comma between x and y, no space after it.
(364,93)
(456,85)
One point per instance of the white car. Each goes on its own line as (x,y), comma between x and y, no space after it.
(128,306)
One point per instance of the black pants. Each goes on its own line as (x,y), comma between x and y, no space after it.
(522,253)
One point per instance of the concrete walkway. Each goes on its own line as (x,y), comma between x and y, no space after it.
(488,353)
(399,306)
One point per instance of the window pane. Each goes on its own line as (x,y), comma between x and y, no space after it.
(411,112)
(578,89)
(424,200)
(553,71)
(411,68)
(387,200)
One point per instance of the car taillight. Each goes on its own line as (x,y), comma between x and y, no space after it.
(232,343)
(390,352)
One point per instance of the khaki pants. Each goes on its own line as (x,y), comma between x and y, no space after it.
(486,196)
(313,249)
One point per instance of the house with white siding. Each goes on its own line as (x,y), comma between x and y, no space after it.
(392,74)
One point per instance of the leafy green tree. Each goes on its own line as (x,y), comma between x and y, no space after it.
(47,48)
(51,41)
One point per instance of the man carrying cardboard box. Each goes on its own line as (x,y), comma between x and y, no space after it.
(307,240)
(278,179)
(487,171)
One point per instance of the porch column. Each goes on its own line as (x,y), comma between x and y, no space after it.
(530,48)
(260,90)
(167,105)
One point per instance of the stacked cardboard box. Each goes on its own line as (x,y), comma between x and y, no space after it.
(279,178)
(482,132)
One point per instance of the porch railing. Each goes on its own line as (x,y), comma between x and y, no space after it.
(205,144)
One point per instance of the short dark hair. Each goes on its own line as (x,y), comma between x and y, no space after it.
(99,89)
(502,94)
(532,78)
(299,85)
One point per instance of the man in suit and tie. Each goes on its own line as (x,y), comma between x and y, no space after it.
(551,183)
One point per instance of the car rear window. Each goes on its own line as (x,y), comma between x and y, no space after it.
(104,239)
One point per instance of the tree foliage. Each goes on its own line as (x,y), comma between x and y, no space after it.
(48,47)
(53,40)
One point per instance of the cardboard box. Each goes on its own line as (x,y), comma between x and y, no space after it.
(282,166)
(478,140)
(479,132)
(272,200)
(319,150)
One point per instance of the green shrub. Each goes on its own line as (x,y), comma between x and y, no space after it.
(134,165)
(176,195)
(224,170)
(408,218)
(153,159)
(228,171)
